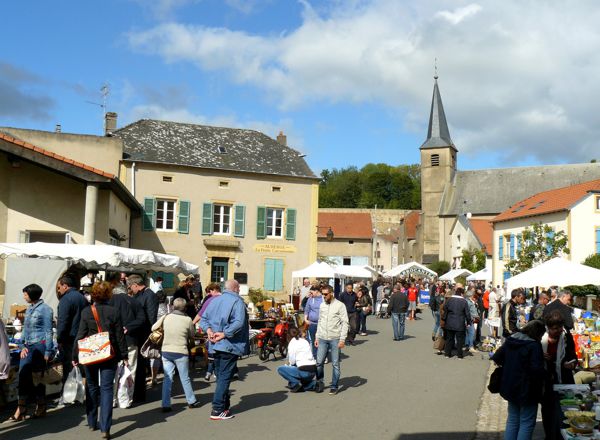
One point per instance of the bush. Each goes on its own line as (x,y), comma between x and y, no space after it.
(440,267)
(257,296)
(588,289)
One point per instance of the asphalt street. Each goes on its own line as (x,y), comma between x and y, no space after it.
(390,390)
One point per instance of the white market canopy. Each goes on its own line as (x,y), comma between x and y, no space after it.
(318,269)
(555,272)
(101,257)
(482,275)
(353,271)
(451,276)
(408,268)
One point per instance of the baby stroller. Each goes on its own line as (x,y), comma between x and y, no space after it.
(382,306)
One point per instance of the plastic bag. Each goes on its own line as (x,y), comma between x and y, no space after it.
(125,388)
(74,390)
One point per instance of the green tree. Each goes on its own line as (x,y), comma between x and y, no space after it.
(593,261)
(539,243)
(440,267)
(472,259)
(589,289)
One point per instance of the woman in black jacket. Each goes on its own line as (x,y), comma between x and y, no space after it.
(99,393)
(522,359)
(457,318)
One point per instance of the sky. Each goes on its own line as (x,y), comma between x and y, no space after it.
(348,81)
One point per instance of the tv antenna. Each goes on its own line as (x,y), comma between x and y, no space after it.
(104,91)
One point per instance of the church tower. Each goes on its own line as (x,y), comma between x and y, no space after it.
(438,166)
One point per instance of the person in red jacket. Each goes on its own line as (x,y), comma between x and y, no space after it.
(486,302)
(413,292)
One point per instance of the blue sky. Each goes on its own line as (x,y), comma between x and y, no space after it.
(349,82)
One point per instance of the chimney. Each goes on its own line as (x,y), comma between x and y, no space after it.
(110,123)
(58,128)
(282,139)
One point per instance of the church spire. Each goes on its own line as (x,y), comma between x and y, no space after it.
(438,135)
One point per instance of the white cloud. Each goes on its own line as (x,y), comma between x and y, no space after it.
(459,14)
(517,78)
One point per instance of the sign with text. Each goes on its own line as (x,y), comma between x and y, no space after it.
(274,248)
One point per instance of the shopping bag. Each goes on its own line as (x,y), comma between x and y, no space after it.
(95,348)
(439,343)
(125,387)
(74,390)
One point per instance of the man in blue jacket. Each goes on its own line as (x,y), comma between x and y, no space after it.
(70,304)
(225,322)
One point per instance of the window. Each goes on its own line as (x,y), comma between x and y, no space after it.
(350,241)
(276,188)
(597,203)
(167,179)
(273,275)
(165,215)
(221,149)
(223,184)
(435,160)
(598,240)
(347,261)
(377,254)
(274,222)
(222,219)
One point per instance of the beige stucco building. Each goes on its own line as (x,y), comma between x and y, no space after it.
(470,234)
(345,236)
(236,202)
(575,210)
(46,195)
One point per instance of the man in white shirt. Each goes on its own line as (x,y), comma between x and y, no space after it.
(304,290)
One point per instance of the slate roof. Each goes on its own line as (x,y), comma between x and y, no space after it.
(494,190)
(561,199)
(438,134)
(198,146)
(345,224)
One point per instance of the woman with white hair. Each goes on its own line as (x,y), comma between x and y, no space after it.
(178,337)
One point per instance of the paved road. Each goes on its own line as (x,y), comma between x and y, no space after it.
(391,390)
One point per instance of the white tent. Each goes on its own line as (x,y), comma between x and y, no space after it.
(555,272)
(450,276)
(482,275)
(318,269)
(408,268)
(101,257)
(353,272)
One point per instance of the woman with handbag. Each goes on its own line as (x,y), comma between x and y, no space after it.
(35,352)
(364,307)
(521,381)
(178,337)
(100,365)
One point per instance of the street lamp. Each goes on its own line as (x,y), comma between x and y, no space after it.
(329,233)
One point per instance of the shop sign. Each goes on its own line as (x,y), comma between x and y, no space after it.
(274,248)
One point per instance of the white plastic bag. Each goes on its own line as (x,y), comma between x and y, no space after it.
(125,389)
(74,390)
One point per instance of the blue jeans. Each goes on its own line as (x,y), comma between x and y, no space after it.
(326,345)
(225,366)
(295,376)
(170,362)
(99,394)
(520,422)
(470,340)
(398,325)
(362,322)
(436,323)
(34,361)
(312,337)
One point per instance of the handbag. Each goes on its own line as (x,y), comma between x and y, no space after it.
(495,380)
(157,336)
(95,348)
(439,343)
(149,350)
(49,376)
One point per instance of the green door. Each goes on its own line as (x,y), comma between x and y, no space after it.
(218,270)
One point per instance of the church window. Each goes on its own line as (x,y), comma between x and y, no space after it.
(435,160)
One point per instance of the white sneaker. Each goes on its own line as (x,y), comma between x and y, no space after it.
(363,334)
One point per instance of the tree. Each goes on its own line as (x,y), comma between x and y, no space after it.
(539,243)
(589,289)
(592,261)
(440,267)
(472,259)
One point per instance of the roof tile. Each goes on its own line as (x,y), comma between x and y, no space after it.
(484,230)
(345,224)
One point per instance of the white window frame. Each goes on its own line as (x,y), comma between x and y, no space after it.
(219,211)
(165,211)
(274,214)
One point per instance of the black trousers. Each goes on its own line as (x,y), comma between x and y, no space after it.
(551,419)
(67,359)
(454,337)
(353,326)
(139,384)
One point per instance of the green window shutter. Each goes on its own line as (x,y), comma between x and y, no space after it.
(261,222)
(184,217)
(239,227)
(269,282)
(207,219)
(278,275)
(149,216)
(290,224)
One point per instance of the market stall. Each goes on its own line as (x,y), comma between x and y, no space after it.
(455,273)
(483,275)
(410,268)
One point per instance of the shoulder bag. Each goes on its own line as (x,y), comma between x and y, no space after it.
(157,336)
(495,380)
(95,348)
